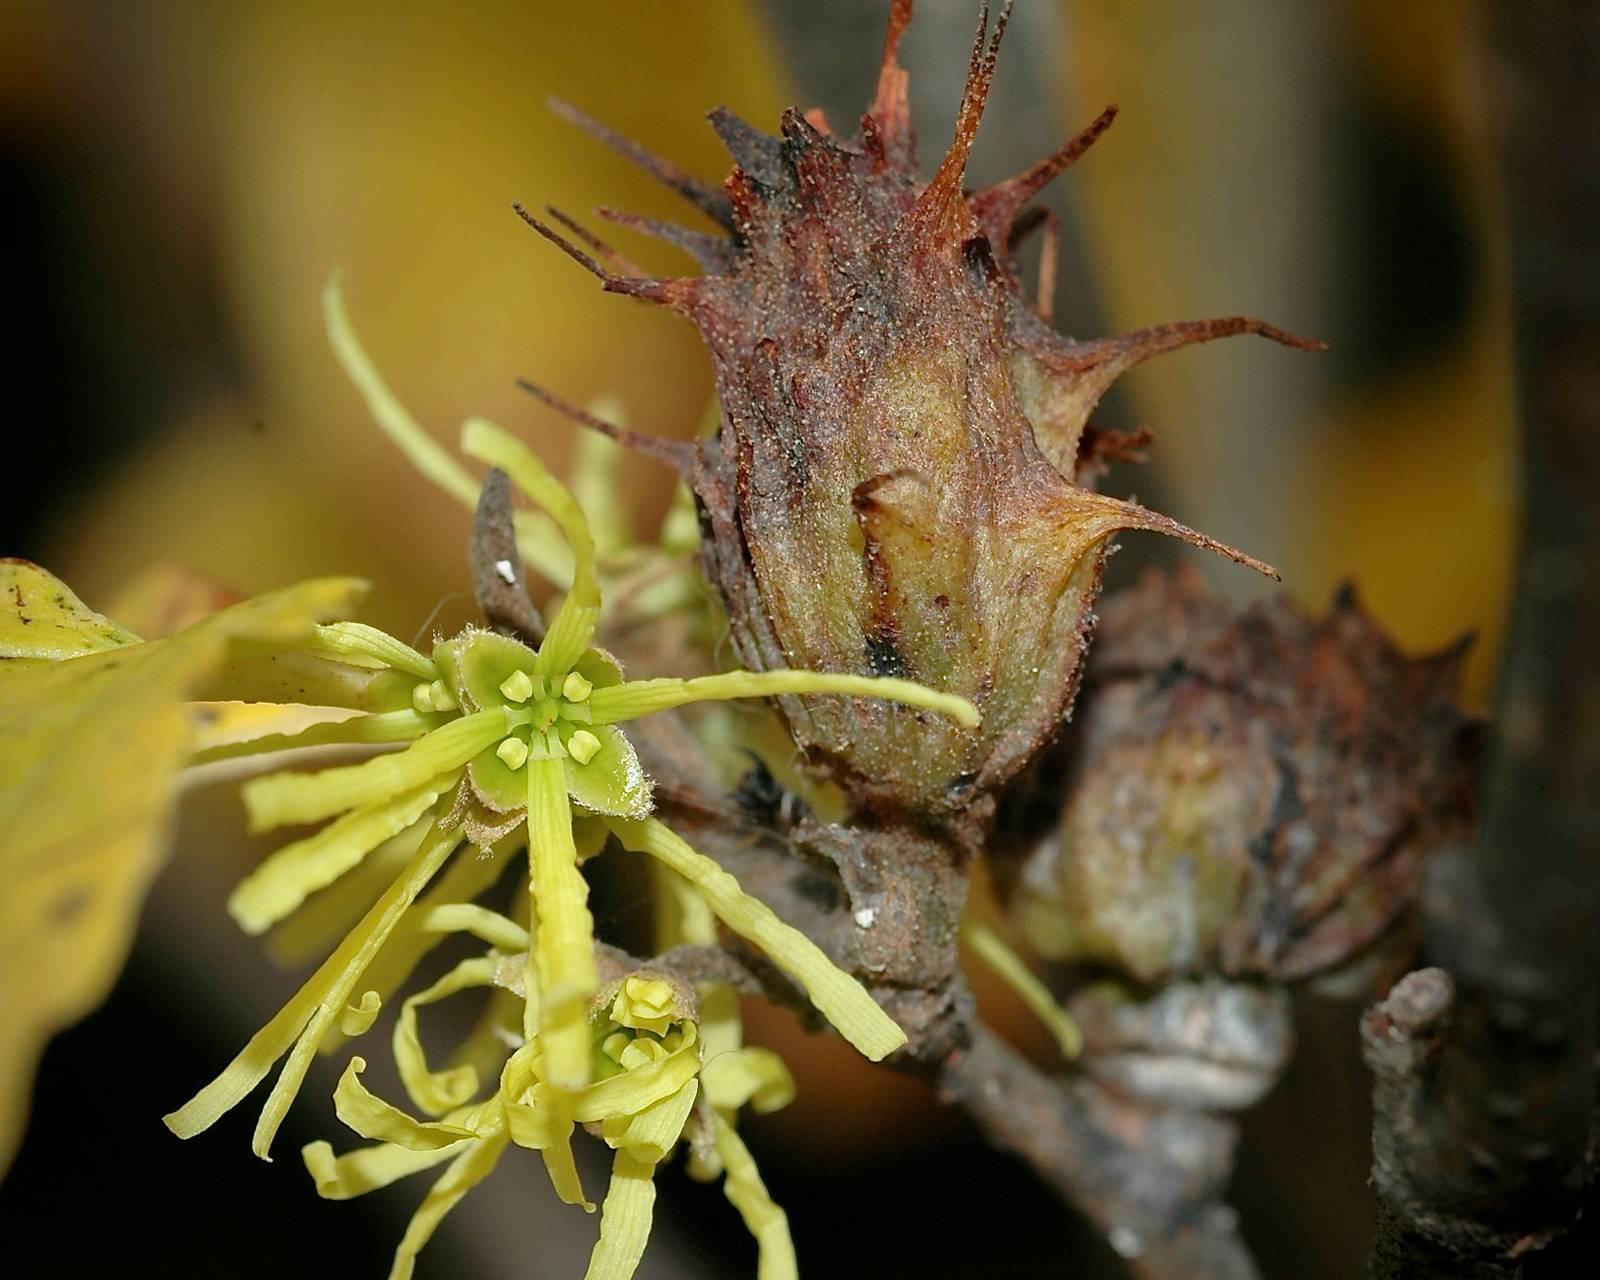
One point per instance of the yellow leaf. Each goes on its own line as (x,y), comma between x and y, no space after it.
(40,618)
(88,747)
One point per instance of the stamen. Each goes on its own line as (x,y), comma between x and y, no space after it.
(422,698)
(440,696)
(518,686)
(582,746)
(576,688)
(514,751)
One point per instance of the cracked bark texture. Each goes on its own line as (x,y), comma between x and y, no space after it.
(1484,1135)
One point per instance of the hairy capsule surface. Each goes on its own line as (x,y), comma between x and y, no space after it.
(901,478)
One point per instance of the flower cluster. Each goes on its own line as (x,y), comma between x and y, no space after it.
(506,747)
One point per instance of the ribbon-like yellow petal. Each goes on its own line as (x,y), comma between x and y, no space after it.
(466,878)
(989,947)
(380,728)
(573,626)
(468,1169)
(837,996)
(301,1023)
(497,930)
(540,1118)
(748,1194)
(361,645)
(366,1168)
(283,798)
(564,940)
(436,1092)
(536,539)
(634,698)
(316,928)
(624,1220)
(370,1116)
(681,914)
(281,883)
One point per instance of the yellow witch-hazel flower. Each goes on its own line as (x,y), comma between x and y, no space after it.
(665,1069)
(507,746)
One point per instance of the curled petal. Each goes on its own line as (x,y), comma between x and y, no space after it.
(372,1117)
(650,1134)
(367,1168)
(635,1091)
(435,1092)
(746,1075)
(357,1019)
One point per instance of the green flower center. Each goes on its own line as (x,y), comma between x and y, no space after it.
(549,723)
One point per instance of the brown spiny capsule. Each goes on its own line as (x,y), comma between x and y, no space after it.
(900,483)
(1246,794)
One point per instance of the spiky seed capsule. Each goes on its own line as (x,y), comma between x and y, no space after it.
(897,485)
